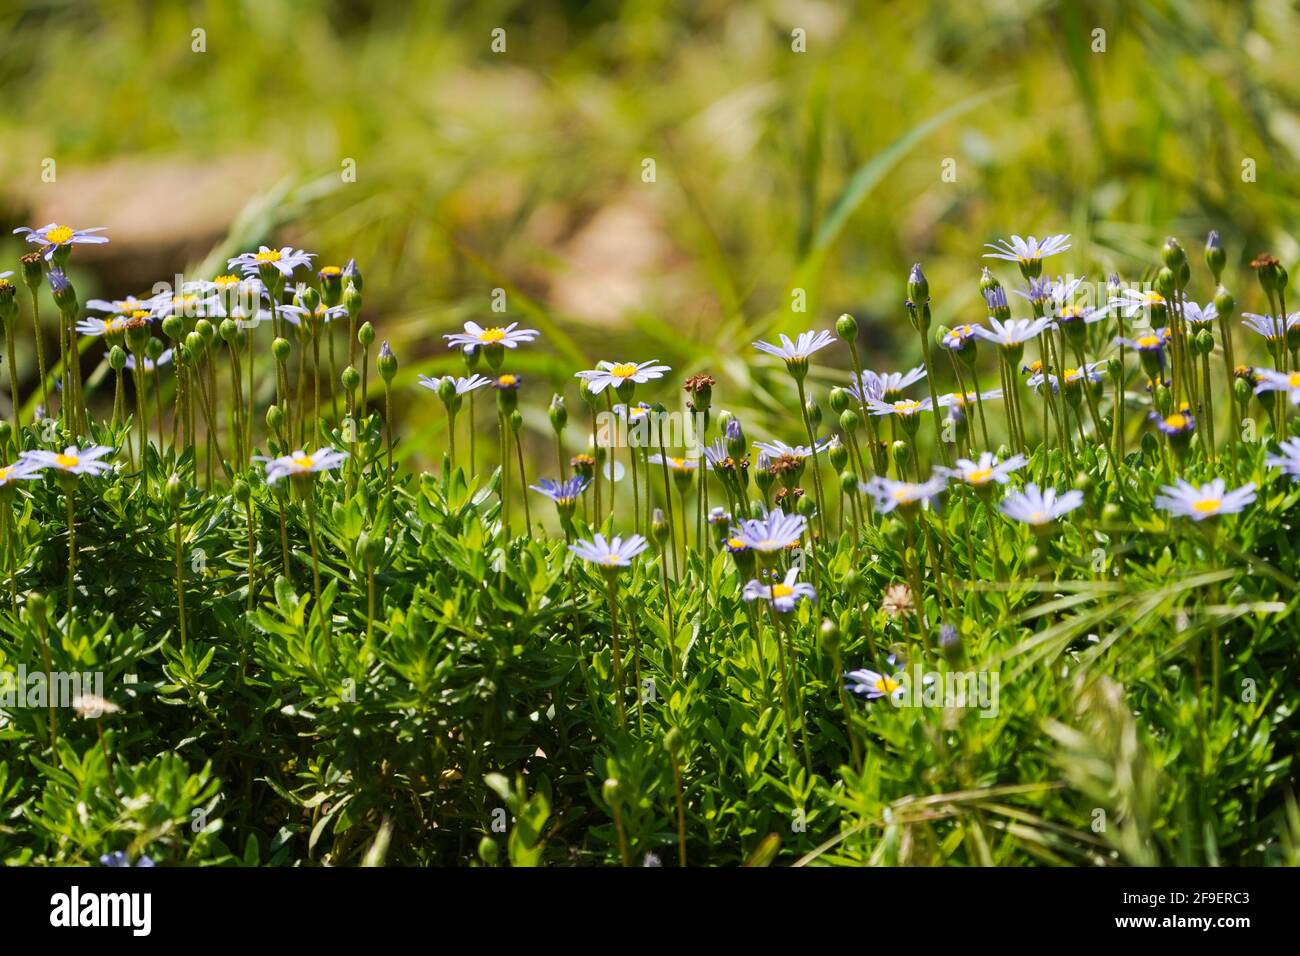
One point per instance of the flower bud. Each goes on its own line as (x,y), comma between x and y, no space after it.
(117,358)
(918,289)
(173,327)
(1215,257)
(207,330)
(806,506)
(838,455)
(195,345)
(352,299)
(307,297)
(659,526)
(36,605)
(1173,256)
(386,363)
(175,491)
(352,275)
(241,491)
(733,437)
(275,418)
(1224,304)
(838,400)
(558,414)
(829,635)
(64,295)
(366,335)
(281,349)
(902,455)
(1205,341)
(229,330)
(350,378)
(848,482)
(849,421)
(814,414)
(846,327)
(516,421)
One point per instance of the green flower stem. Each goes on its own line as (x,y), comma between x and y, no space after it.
(70,494)
(784,679)
(668,497)
(816,460)
(681,809)
(180,579)
(611,581)
(523,487)
(40,350)
(451,437)
(42,631)
(13,376)
(309,492)
(668,616)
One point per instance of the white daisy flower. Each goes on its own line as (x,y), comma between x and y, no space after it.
(1029,251)
(509,336)
(1013,331)
(285,260)
(1269,380)
(988,469)
(1039,508)
(614,553)
(613,374)
(301,463)
(1289,460)
(890,494)
(1185,500)
(783,595)
(72,460)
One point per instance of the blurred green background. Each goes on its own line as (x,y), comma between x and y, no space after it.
(523,169)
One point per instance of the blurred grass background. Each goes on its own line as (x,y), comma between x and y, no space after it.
(523,169)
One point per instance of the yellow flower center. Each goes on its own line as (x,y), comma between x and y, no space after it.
(678,463)
(1208,506)
(1070,312)
(609,560)
(304,462)
(331,271)
(226,281)
(1038,517)
(114,324)
(735,543)
(979,476)
(67,461)
(506,381)
(1176,420)
(488,336)
(59,235)
(1149,342)
(781,590)
(269,255)
(887,685)
(1293,379)
(907,405)
(140,314)
(623,370)
(903,494)
(1154,298)
(5,472)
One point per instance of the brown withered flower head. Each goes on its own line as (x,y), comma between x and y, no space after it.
(700,388)
(787,498)
(898,600)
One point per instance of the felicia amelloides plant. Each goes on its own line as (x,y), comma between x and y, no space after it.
(1034,480)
